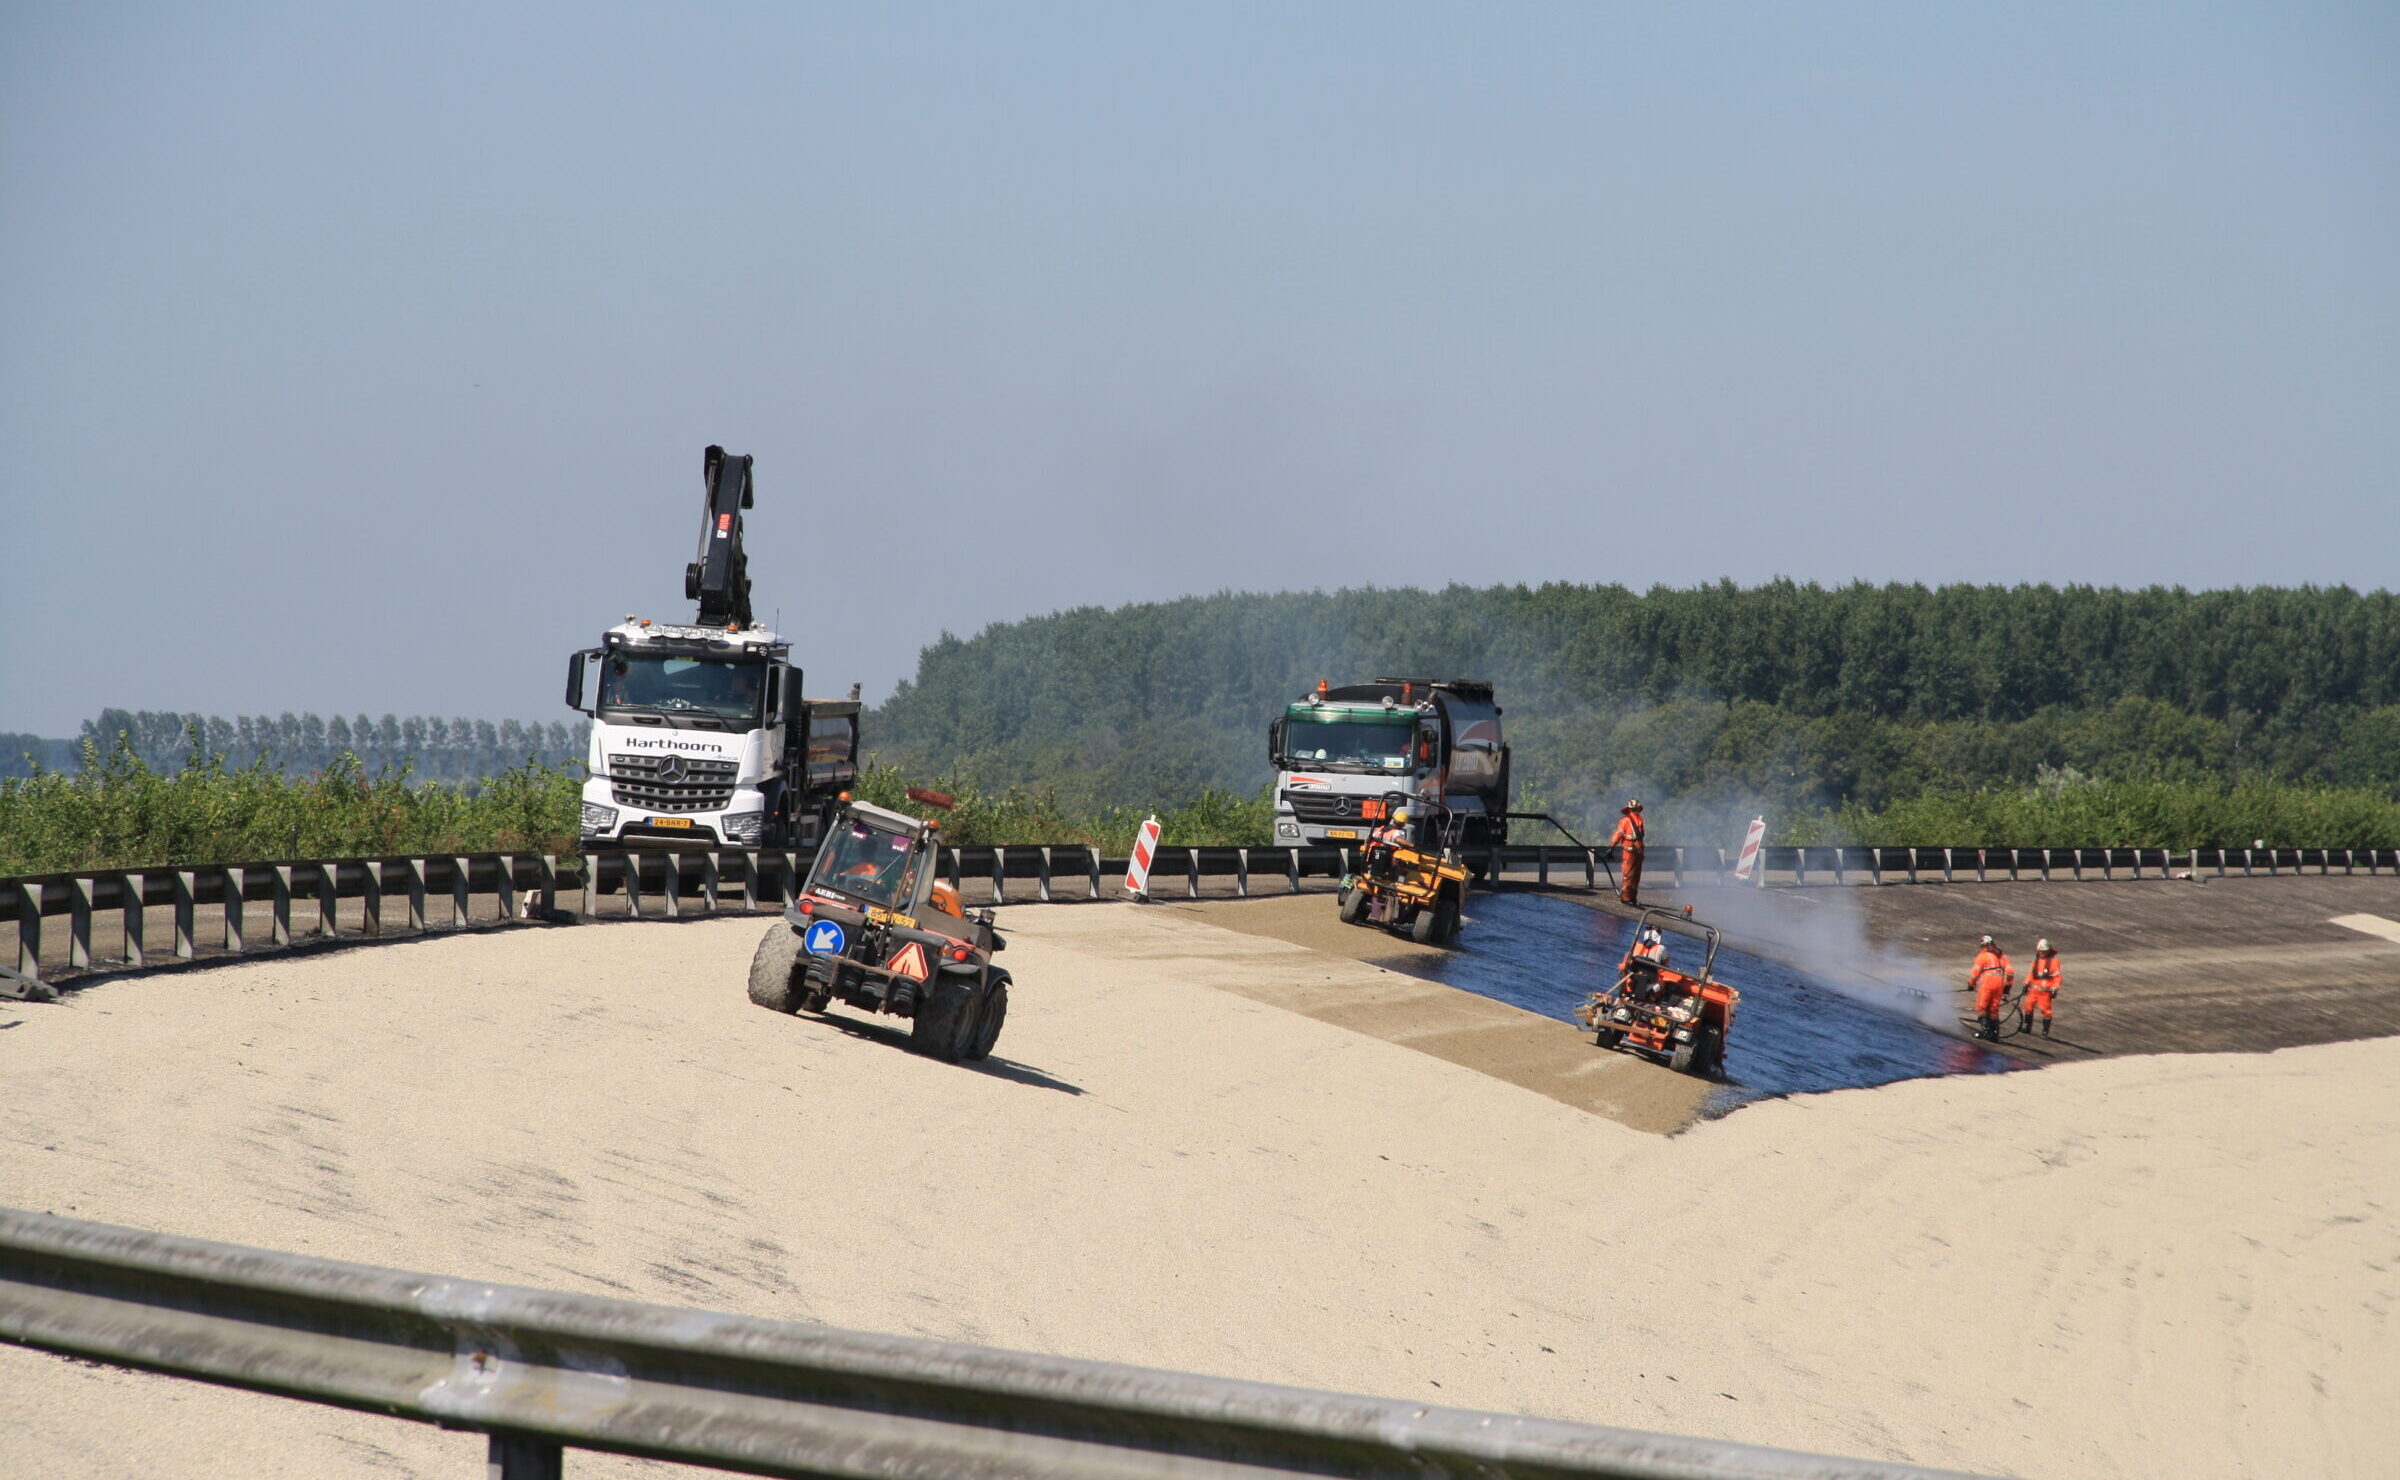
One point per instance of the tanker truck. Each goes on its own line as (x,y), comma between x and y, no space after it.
(1344,756)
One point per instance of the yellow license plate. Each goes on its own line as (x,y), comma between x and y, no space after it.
(670,822)
(1340,832)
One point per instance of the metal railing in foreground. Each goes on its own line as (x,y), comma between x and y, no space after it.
(542,1371)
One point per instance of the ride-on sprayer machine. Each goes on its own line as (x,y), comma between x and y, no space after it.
(1659,1011)
(1416,886)
(873,927)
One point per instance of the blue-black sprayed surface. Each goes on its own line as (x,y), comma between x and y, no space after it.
(1793,1033)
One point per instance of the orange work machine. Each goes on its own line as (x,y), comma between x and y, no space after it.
(1663,1011)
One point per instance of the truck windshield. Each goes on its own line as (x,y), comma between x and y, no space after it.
(869,863)
(682,685)
(1379,745)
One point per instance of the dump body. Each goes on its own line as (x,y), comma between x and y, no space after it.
(1341,755)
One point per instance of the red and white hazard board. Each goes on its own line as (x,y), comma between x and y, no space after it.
(1750,847)
(909,961)
(1137,868)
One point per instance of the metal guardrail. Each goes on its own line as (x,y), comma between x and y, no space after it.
(542,1371)
(438,891)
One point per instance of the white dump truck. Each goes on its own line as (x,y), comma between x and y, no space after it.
(700,734)
(1344,757)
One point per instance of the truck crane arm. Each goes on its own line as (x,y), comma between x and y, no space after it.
(719,579)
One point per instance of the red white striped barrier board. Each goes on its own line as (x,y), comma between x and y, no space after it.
(1137,867)
(1750,847)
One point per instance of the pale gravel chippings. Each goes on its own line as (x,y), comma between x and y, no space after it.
(2171,1266)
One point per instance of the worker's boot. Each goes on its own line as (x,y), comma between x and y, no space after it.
(2045,1027)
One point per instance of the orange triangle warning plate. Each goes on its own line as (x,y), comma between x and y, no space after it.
(909,961)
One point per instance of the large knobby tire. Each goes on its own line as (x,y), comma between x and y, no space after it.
(944,1027)
(1711,1057)
(1436,923)
(1685,1055)
(1354,906)
(773,967)
(990,1016)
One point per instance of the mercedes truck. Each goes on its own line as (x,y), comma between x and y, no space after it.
(1344,757)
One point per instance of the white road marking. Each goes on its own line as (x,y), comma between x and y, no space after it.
(2369,925)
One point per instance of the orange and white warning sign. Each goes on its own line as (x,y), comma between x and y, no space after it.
(909,961)
(1137,867)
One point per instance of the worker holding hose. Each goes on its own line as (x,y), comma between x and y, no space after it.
(1627,840)
(1989,979)
(2042,981)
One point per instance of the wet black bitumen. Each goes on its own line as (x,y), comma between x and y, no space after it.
(1792,1034)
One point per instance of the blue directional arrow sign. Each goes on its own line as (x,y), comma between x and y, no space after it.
(825,938)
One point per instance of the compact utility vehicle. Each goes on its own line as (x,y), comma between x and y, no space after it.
(1417,887)
(874,928)
(1662,1012)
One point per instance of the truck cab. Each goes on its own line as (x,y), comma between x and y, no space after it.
(1341,753)
(700,736)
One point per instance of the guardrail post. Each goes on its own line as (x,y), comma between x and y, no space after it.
(1541,864)
(999,875)
(280,915)
(29,930)
(633,885)
(1591,870)
(750,877)
(1946,878)
(237,897)
(2246,863)
(1838,877)
(461,908)
(1191,858)
(549,881)
(183,914)
(1675,866)
(504,888)
(591,883)
(1291,865)
(1911,850)
(674,886)
(329,900)
(370,898)
(1799,867)
(1979,861)
(1041,878)
(416,895)
(79,925)
(1091,858)
(1241,873)
(708,881)
(522,1457)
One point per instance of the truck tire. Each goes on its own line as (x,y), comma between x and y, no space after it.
(1354,905)
(944,1026)
(989,1017)
(772,968)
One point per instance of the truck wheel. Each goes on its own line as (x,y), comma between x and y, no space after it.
(993,1013)
(1354,905)
(772,968)
(944,1027)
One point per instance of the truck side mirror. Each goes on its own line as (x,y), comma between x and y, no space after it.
(575,667)
(773,711)
(1275,743)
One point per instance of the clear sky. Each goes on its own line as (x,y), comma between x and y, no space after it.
(359,357)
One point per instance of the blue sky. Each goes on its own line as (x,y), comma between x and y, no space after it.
(360,357)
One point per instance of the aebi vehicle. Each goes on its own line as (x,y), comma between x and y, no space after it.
(1662,1012)
(1340,752)
(1417,887)
(874,928)
(700,735)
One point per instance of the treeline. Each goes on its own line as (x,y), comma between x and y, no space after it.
(431,747)
(118,811)
(1715,700)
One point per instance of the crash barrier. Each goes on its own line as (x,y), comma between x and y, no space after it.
(398,896)
(673,884)
(539,1372)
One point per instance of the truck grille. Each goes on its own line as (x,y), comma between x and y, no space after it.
(671,783)
(1324,807)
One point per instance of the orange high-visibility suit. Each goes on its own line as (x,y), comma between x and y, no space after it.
(1627,840)
(1991,977)
(2042,982)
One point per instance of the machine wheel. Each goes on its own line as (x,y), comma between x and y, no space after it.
(1685,1056)
(1608,1037)
(992,1014)
(1354,905)
(944,1027)
(1437,924)
(773,967)
(1711,1057)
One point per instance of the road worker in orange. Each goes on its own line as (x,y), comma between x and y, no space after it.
(2042,981)
(1380,843)
(1638,972)
(1627,840)
(1990,979)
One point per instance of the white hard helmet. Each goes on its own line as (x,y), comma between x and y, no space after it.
(1987,940)
(1650,936)
(2042,944)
